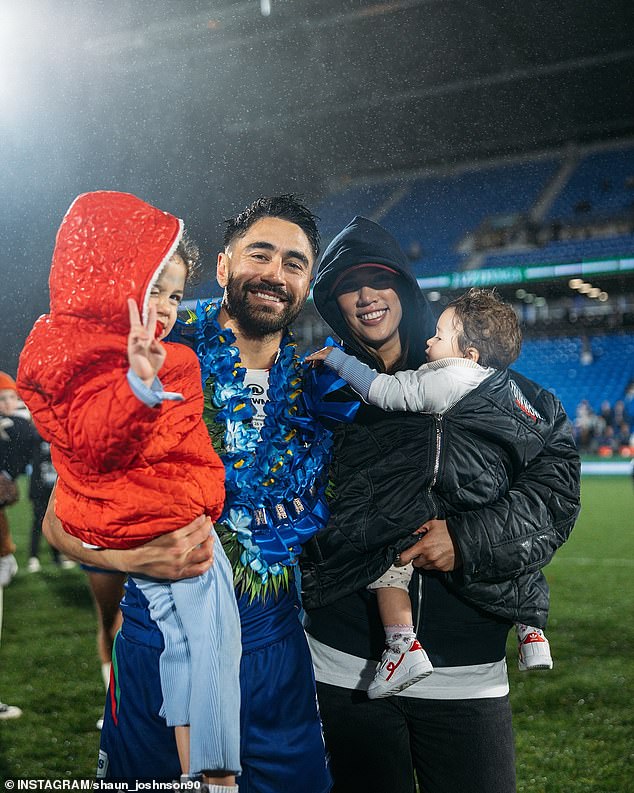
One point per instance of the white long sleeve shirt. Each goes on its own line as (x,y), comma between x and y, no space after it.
(433,388)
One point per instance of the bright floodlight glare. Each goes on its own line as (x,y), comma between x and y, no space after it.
(9,47)
(575,283)
(594,292)
(265,8)
(585,288)
(433,297)
(9,32)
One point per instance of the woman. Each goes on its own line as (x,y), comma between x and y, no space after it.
(452,729)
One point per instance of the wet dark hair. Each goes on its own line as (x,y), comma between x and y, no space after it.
(189,252)
(488,324)
(286,207)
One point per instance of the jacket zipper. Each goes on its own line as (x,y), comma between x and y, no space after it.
(438,420)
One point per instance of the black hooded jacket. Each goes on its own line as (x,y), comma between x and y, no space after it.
(506,481)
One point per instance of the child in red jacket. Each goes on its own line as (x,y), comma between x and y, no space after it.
(132,453)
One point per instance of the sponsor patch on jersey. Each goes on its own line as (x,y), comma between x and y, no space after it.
(102,764)
(522,403)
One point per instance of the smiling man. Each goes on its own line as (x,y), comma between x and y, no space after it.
(251,373)
(265,271)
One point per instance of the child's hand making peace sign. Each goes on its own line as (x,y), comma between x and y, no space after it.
(146,354)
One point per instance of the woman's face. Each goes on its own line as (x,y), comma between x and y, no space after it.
(369,303)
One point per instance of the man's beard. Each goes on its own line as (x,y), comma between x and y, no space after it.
(258,321)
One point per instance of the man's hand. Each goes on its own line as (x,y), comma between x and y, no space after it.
(319,355)
(146,354)
(183,553)
(435,550)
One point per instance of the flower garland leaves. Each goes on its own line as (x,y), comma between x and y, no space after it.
(266,470)
(245,578)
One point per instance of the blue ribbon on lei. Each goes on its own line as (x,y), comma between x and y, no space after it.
(275,478)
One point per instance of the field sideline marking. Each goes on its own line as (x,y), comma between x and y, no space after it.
(586,560)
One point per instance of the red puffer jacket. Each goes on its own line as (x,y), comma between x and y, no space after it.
(127,472)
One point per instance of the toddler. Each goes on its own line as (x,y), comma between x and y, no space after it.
(133,456)
(476,335)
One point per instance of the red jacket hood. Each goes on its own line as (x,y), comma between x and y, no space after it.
(110,246)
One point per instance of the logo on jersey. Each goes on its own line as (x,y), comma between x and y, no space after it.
(102,764)
(522,403)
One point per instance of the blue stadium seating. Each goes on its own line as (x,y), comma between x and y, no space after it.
(566,251)
(556,364)
(338,209)
(438,212)
(597,187)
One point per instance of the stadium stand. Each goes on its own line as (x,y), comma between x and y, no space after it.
(602,184)
(577,207)
(438,213)
(340,207)
(620,246)
(557,209)
(557,362)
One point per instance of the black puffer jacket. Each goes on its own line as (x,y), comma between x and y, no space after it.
(392,473)
(500,466)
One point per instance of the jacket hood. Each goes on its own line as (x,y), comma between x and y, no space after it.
(364,242)
(110,246)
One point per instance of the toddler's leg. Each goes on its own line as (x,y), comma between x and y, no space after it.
(533,648)
(395,609)
(209,615)
(181,734)
(404,661)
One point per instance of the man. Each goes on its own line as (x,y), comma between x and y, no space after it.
(244,348)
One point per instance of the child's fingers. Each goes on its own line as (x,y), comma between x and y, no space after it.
(151,321)
(133,311)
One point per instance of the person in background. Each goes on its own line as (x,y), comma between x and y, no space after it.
(41,483)
(17,441)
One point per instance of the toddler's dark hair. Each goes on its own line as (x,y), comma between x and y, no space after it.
(490,325)
(190,254)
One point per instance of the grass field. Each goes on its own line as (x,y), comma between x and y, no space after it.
(574,725)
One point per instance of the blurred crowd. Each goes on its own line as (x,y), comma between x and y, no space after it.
(608,432)
(22,451)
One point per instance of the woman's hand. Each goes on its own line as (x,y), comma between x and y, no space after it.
(434,551)
(146,354)
(319,355)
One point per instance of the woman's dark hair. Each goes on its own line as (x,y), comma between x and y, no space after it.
(488,324)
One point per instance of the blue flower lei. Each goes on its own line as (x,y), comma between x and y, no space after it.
(275,477)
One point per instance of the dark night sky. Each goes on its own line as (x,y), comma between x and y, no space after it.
(199,107)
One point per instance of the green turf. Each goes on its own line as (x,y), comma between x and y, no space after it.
(574,725)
